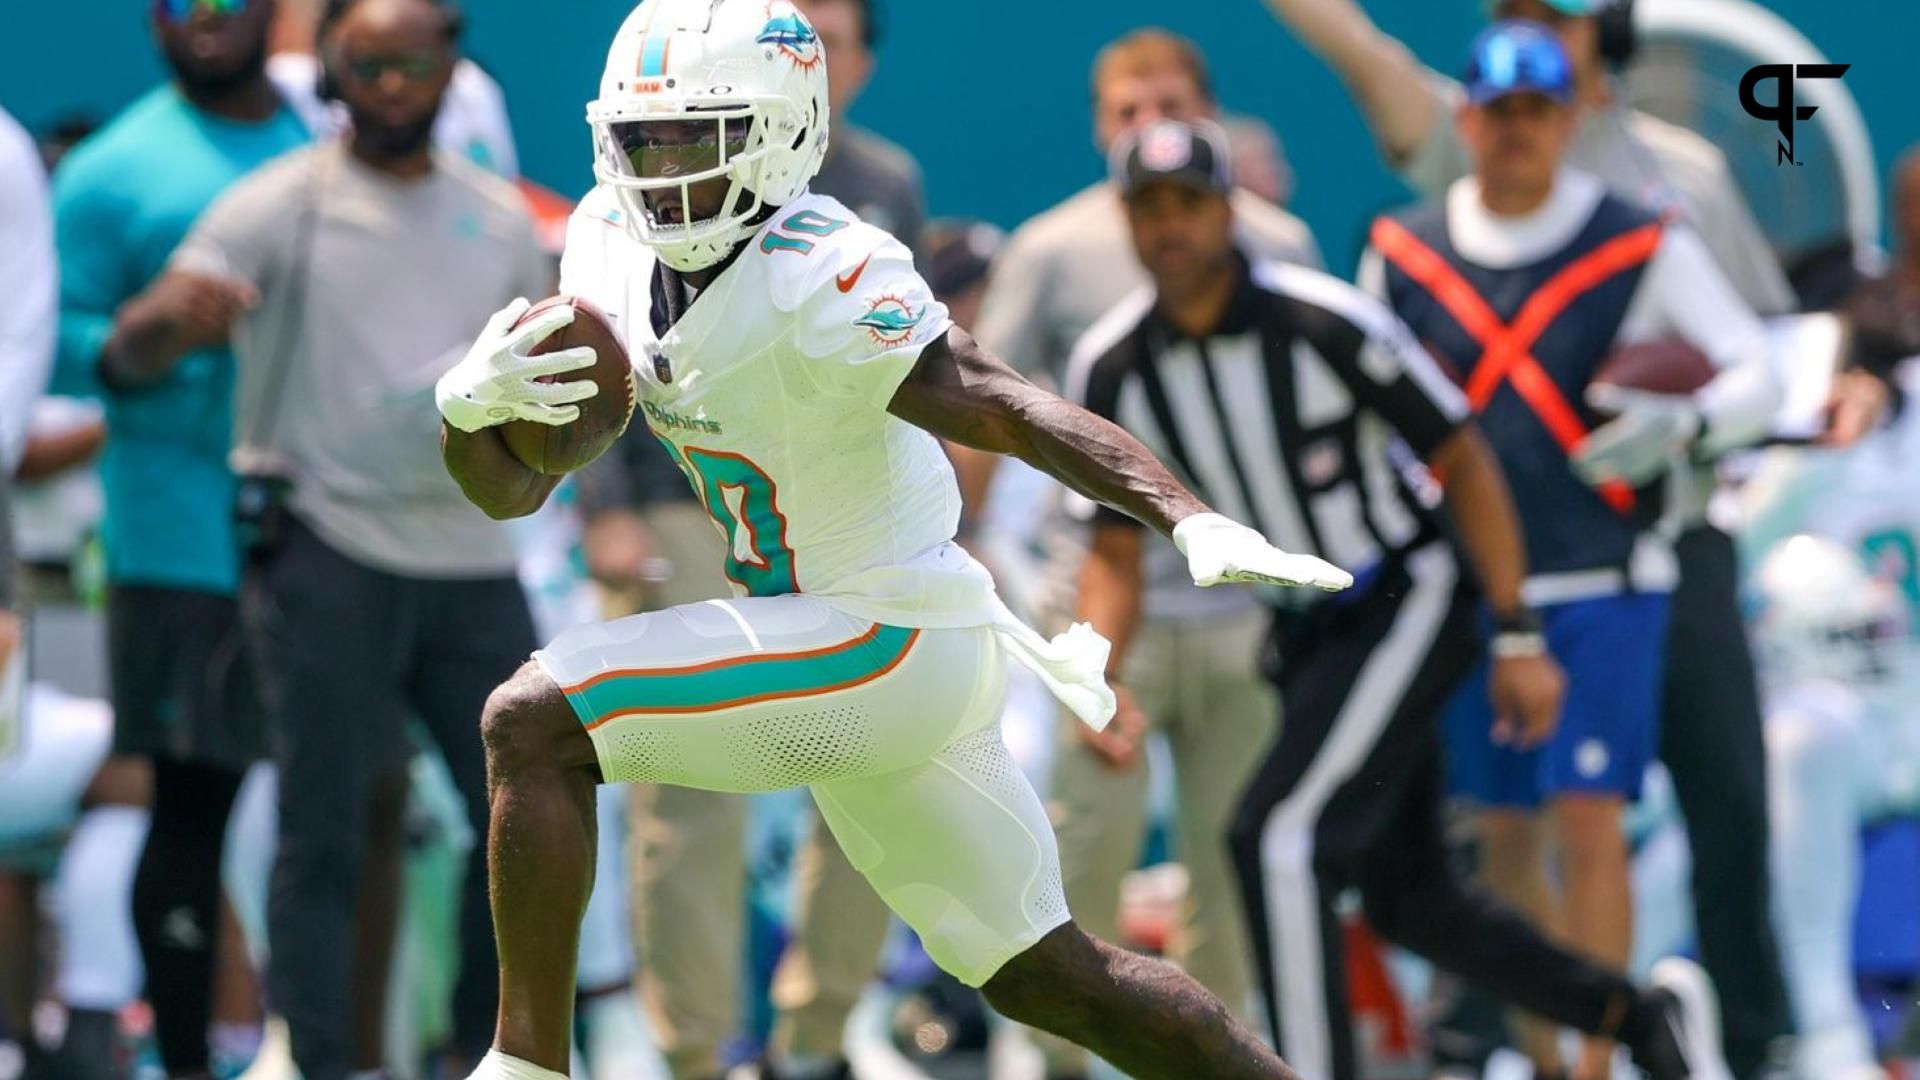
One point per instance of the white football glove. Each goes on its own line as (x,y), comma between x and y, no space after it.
(498,380)
(1219,549)
(1648,433)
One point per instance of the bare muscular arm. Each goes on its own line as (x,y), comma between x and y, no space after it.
(965,395)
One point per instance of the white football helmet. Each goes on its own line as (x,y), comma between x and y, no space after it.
(700,89)
(1822,615)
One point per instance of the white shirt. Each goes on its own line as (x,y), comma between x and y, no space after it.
(1863,497)
(29,279)
(781,372)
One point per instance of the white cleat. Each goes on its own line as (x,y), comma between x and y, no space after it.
(1694,1011)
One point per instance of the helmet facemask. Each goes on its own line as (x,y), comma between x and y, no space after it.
(640,147)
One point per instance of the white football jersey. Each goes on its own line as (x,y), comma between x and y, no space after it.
(1864,496)
(771,392)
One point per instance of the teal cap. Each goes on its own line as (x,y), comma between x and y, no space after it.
(1575,8)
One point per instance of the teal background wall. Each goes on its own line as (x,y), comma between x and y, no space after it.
(991,95)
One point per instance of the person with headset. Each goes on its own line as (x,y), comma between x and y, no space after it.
(1711,738)
(183,702)
(376,592)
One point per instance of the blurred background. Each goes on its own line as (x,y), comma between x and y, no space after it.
(991,99)
(990,96)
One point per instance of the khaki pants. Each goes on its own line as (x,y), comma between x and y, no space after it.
(1199,683)
(689,878)
(841,927)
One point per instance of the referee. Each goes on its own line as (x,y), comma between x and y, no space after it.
(1710,709)
(1290,399)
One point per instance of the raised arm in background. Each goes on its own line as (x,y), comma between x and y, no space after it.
(1391,86)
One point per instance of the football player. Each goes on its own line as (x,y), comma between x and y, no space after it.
(802,374)
(1829,638)
(1843,730)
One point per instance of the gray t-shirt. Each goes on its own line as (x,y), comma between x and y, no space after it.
(1644,160)
(371,287)
(1057,276)
(876,180)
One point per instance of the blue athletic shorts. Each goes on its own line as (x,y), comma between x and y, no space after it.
(1612,649)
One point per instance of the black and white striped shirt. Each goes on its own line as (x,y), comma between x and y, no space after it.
(1304,414)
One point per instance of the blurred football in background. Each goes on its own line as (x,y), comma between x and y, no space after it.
(1657,367)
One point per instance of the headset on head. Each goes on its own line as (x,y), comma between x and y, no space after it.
(327,87)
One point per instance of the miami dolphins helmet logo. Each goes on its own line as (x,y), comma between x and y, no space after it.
(889,321)
(789,33)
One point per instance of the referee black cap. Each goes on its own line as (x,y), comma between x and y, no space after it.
(1194,154)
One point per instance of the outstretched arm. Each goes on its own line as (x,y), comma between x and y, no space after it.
(1389,84)
(963,394)
(180,313)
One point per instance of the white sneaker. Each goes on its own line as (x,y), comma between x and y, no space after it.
(1697,1016)
(275,1059)
(1842,1052)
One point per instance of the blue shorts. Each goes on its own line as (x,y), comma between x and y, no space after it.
(1612,649)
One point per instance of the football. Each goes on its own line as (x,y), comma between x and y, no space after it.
(1658,367)
(557,449)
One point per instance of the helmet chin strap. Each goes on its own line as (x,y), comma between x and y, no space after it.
(700,254)
(690,259)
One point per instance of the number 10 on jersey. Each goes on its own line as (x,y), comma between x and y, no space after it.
(740,498)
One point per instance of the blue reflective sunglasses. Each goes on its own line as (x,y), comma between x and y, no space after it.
(179,11)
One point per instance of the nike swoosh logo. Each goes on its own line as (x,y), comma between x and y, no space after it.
(846,281)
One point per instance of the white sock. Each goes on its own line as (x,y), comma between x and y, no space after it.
(100,964)
(233,1042)
(499,1066)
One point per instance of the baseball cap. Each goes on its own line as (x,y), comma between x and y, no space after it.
(1515,57)
(1194,154)
(1574,8)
